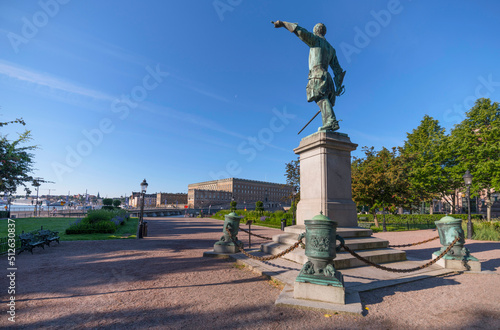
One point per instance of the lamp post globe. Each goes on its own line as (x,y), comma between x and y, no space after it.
(144,186)
(468,182)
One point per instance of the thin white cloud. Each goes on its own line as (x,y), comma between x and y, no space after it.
(186,83)
(195,120)
(43,79)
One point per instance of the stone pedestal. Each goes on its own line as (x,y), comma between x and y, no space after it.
(325,178)
(448,263)
(309,291)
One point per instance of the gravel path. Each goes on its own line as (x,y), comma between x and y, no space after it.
(164,282)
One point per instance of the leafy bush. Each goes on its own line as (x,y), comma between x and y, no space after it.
(85,227)
(413,218)
(100,215)
(107,201)
(272,219)
(259,206)
(99,221)
(486,231)
(116,203)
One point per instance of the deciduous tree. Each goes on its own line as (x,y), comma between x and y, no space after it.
(16,161)
(477,142)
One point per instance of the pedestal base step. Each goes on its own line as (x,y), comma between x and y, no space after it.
(345,232)
(354,243)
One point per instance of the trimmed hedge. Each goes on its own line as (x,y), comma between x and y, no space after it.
(85,227)
(268,218)
(99,221)
(413,218)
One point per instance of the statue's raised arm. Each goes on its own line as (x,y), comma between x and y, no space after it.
(304,35)
(320,87)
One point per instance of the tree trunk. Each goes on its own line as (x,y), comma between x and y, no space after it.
(375,218)
(489,204)
(431,209)
(454,202)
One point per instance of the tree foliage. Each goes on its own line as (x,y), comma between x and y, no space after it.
(380,179)
(16,161)
(259,207)
(292,174)
(476,141)
(233,205)
(433,165)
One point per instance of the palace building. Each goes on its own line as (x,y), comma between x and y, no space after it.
(244,192)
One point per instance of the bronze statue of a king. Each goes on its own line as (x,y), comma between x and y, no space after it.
(320,87)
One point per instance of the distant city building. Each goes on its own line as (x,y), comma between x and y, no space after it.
(165,199)
(135,200)
(158,199)
(244,192)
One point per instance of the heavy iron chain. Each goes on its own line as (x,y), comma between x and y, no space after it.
(397,270)
(413,244)
(264,237)
(290,249)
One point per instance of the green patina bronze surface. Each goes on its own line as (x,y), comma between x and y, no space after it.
(321,236)
(321,88)
(232,222)
(449,228)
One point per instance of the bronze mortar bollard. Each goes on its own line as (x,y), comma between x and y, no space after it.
(321,236)
(459,256)
(225,244)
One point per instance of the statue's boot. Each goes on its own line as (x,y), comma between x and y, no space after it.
(332,125)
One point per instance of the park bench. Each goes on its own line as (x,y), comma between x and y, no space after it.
(48,236)
(29,241)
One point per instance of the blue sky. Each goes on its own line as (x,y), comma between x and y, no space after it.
(179,92)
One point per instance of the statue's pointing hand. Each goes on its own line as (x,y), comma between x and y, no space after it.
(278,24)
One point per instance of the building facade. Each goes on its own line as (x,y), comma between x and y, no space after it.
(244,192)
(171,199)
(135,200)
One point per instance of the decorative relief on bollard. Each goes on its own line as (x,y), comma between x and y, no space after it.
(225,244)
(318,279)
(459,256)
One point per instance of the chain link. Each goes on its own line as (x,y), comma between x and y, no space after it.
(263,237)
(290,249)
(397,270)
(413,244)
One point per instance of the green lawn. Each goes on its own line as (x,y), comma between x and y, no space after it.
(128,230)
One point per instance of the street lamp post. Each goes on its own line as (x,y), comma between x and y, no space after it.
(9,201)
(140,229)
(36,183)
(468,182)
